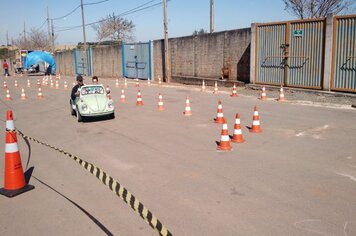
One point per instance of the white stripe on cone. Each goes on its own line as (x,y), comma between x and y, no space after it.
(237,131)
(11,147)
(220,115)
(256,122)
(255,113)
(10,125)
(225,138)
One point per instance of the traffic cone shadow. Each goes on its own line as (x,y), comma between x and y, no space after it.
(28,174)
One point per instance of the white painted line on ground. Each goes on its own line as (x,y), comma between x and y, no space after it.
(346,175)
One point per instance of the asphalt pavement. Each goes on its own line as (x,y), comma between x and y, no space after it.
(297,177)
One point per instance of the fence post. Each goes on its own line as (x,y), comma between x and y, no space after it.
(253,54)
(328,52)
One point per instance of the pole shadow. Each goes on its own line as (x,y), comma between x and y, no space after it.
(96,221)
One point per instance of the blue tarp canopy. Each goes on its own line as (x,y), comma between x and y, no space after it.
(37,56)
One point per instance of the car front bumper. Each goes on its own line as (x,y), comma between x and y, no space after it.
(96,114)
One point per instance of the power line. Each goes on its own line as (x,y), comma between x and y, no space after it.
(72,11)
(134,10)
(44,22)
(94,3)
(68,14)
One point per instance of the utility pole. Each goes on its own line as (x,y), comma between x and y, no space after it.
(211,16)
(86,66)
(7,43)
(48,25)
(167,70)
(24,31)
(52,36)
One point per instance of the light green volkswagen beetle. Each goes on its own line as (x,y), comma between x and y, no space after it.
(93,101)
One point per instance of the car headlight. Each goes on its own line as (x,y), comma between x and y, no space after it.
(84,107)
(110,105)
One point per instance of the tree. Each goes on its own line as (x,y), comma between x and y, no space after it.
(316,8)
(200,32)
(34,40)
(114,28)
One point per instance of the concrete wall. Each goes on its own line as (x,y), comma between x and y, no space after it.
(193,56)
(205,55)
(107,61)
(65,63)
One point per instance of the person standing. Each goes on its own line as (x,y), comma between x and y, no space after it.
(76,88)
(5,66)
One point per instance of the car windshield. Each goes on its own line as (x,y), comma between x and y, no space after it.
(92,90)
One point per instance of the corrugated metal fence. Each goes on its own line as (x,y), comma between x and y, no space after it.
(291,53)
(344,56)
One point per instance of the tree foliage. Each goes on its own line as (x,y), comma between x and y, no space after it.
(114,28)
(304,9)
(200,32)
(34,40)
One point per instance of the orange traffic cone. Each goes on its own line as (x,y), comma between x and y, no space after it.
(14,180)
(224,144)
(125,83)
(8,96)
(263,94)
(73,84)
(237,137)
(51,84)
(57,84)
(137,84)
(256,126)
(220,115)
(160,103)
(16,84)
(38,83)
(216,88)
(281,95)
(122,97)
(23,95)
(234,92)
(159,80)
(5,85)
(139,99)
(28,83)
(117,83)
(148,81)
(188,110)
(65,85)
(203,85)
(39,93)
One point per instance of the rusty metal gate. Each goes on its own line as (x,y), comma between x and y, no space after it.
(344,54)
(291,53)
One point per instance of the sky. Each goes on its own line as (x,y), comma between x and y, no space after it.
(184,16)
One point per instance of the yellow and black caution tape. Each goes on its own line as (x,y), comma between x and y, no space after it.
(113,185)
